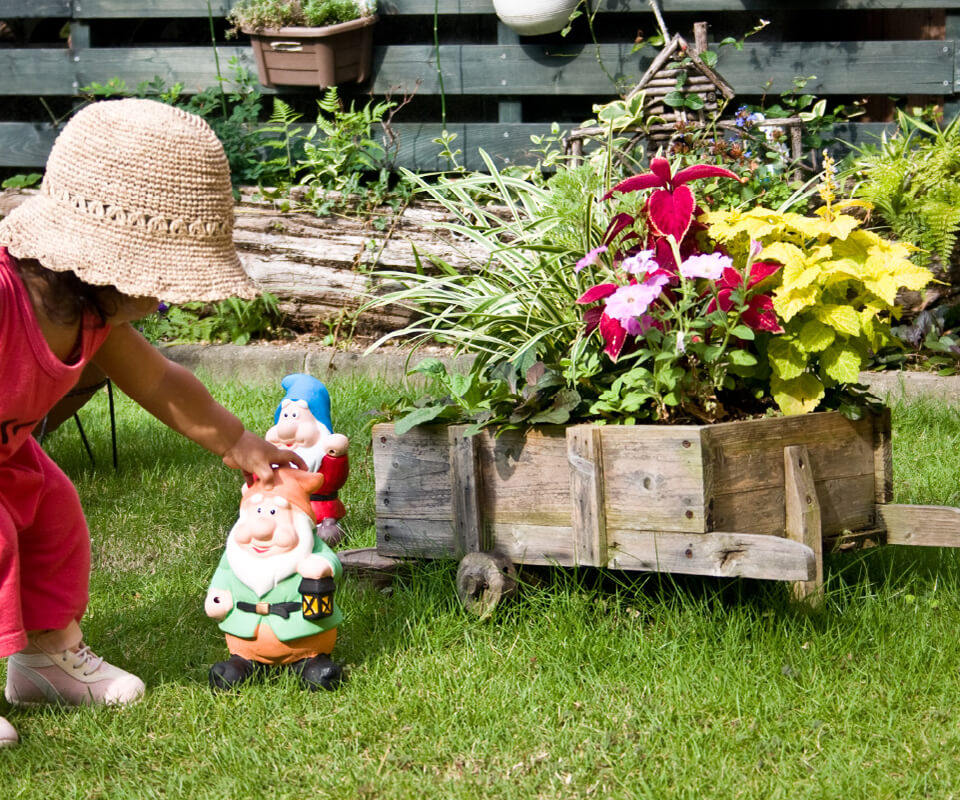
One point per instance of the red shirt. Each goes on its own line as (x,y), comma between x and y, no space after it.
(32,378)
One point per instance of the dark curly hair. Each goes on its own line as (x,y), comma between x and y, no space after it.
(66,298)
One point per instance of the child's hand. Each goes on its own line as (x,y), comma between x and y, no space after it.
(257,457)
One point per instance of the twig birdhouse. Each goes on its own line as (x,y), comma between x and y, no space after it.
(680,91)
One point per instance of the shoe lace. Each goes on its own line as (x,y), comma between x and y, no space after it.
(83,655)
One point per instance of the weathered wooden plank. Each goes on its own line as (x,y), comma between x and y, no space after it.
(516,70)
(26,144)
(412,474)
(466,481)
(803,519)
(883,457)
(35,9)
(588,516)
(415,538)
(929,526)
(845,504)
(96,9)
(38,71)
(653,475)
(719,554)
(749,454)
(525,477)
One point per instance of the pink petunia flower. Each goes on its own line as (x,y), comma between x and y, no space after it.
(641,263)
(710,266)
(631,302)
(590,258)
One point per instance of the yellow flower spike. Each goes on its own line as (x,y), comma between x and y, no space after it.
(827,188)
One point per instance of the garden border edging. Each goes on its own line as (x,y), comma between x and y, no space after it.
(264,362)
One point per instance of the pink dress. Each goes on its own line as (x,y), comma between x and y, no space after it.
(44,541)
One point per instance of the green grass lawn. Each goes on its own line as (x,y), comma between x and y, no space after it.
(589,684)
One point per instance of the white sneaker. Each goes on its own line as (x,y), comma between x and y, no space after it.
(75,676)
(8,734)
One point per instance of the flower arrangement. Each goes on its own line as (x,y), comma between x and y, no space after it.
(258,15)
(636,304)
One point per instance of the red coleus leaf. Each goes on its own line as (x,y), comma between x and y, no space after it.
(617,225)
(646,180)
(761,270)
(661,168)
(591,318)
(671,212)
(598,292)
(760,315)
(614,334)
(697,171)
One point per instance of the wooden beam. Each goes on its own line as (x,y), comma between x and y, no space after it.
(588,514)
(926,526)
(803,519)
(718,554)
(465,486)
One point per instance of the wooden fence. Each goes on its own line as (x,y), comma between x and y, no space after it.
(497,88)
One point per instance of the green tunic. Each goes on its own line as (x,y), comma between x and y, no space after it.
(244,623)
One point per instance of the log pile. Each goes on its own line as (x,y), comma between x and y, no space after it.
(320,268)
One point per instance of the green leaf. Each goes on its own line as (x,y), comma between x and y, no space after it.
(787,361)
(842,363)
(430,366)
(815,336)
(742,358)
(801,395)
(694,102)
(744,332)
(419,416)
(675,99)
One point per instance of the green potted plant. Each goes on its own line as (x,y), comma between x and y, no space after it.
(308,42)
(643,379)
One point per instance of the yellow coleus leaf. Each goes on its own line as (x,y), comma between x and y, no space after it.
(791,256)
(786,360)
(814,336)
(788,304)
(843,268)
(800,395)
(841,362)
(842,319)
(838,226)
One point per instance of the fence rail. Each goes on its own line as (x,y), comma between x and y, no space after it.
(482,63)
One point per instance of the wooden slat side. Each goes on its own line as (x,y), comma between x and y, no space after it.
(415,538)
(883,456)
(544,545)
(585,456)
(412,473)
(525,477)
(720,554)
(465,487)
(845,504)
(803,519)
(929,526)
(653,475)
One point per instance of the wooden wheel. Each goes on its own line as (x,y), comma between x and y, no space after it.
(483,580)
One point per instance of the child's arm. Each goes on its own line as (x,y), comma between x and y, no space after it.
(178,399)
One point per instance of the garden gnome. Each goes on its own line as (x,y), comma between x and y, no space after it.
(302,424)
(272,592)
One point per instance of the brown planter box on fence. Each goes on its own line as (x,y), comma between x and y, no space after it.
(318,57)
(707,500)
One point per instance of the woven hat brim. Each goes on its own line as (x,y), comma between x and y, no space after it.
(135,259)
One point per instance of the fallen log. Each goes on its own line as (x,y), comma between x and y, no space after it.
(320,268)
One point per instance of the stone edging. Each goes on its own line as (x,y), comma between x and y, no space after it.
(266,362)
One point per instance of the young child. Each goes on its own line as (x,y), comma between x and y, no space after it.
(135,207)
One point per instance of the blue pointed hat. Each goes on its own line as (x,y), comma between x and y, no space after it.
(305,387)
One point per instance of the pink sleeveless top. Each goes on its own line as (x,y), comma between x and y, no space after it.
(32,378)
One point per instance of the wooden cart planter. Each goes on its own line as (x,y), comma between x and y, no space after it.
(757,499)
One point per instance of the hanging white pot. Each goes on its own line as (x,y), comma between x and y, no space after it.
(535,17)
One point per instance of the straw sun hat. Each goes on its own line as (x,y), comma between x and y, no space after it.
(136,195)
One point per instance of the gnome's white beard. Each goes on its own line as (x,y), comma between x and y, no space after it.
(262,574)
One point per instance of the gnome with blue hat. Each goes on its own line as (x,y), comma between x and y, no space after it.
(302,423)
